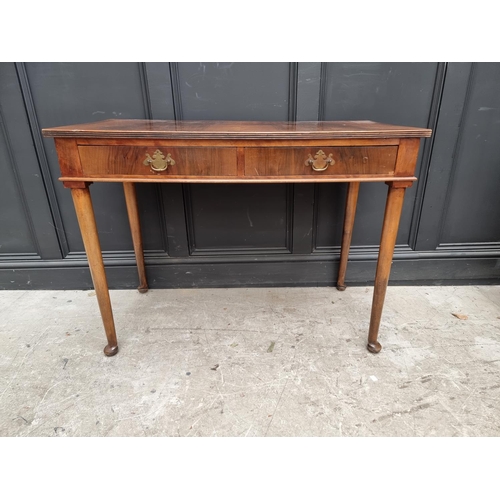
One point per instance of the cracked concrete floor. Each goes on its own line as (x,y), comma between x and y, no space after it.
(251,362)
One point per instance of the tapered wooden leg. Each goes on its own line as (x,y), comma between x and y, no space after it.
(350,213)
(135,227)
(88,228)
(392,215)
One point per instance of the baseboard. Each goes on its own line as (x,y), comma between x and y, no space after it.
(256,273)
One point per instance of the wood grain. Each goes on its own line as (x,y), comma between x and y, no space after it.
(292,161)
(407,156)
(135,229)
(237,180)
(350,214)
(241,161)
(221,142)
(234,129)
(88,228)
(392,215)
(129,160)
(237,152)
(69,160)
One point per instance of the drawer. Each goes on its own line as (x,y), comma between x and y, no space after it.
(161,160)
(320,161)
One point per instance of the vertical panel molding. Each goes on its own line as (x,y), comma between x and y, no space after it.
(447,138)
(426,152)
(176,90)
(42,156)
(323,85)
(148,111)
(21,192)
(458,149)
(292,91)
(296,241)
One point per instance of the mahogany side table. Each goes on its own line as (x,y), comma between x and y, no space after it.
(130,151)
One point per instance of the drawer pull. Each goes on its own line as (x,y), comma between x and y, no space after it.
(320,161)
(158,162)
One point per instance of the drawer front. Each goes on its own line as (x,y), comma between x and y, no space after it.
(320,161)
(168,161)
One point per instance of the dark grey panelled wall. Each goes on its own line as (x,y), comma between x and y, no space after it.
(252,235)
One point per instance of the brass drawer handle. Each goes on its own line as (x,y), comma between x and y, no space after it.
(158,162)
(320,161)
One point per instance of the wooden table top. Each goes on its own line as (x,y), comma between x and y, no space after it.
(207,129)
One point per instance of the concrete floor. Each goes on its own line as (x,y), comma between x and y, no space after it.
(251,362)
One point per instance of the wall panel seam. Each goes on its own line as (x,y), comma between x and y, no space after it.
(176,90)
(428,147)
(293,82)
(19,185)
(41,154)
